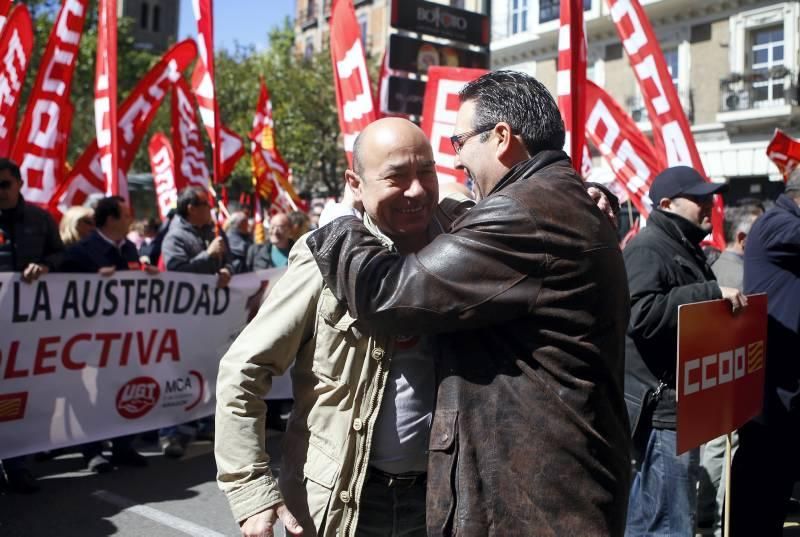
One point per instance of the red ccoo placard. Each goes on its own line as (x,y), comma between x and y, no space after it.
(721,361)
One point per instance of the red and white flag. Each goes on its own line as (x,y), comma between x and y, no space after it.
(439,111)
(674,142)
(354,97)
(784,152)
(135,116)
(36,148)
(629,153)
(270,165)
(571,81)
(190,157)
(162,165)
(105,98)
(16,43)
(227,146)
(5,6)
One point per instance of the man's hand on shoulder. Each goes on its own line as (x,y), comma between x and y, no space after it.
(262,524)
(737,299)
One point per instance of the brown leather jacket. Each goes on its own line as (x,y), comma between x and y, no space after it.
(530,435)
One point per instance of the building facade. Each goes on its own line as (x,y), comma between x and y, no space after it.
(735,64)
(312,31)
(155,22)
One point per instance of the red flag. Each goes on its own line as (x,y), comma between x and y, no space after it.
(16,43)
(5,6)
(629,153)
(571,80)
(784,151)
(36,148)
(105,98)
(439,111)
(226,144)
(674,141)
(163,166)
(271,164)
(136,114)
(190,158)
(354,97)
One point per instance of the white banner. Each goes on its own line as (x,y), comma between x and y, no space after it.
(86,357)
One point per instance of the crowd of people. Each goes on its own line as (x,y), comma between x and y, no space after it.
(103,238)
(488,366)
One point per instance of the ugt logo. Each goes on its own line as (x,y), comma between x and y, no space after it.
(137,397)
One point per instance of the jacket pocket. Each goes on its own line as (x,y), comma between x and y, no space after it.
(336,337)
(320,467)
(442,478)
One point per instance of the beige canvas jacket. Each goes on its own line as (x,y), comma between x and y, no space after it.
(338,380)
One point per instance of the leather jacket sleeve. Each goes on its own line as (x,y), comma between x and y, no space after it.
(487,270)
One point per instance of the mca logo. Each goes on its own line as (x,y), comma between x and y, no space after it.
(137,397)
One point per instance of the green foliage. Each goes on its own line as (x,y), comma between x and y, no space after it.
(303,99)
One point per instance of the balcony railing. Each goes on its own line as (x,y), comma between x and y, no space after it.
(758,90)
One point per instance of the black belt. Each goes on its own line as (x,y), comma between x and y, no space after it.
(395,480)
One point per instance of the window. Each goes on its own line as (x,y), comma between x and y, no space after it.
(549,10)
(309,51)
(362,24)
(767,54)
(156,18)
(518,20)
(671,59)
(145,16)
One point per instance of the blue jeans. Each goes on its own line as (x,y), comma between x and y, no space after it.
(397,511)
(663,496)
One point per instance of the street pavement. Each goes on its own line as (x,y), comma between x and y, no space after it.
(168,498)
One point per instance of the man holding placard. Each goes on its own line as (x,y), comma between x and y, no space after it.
(666,268)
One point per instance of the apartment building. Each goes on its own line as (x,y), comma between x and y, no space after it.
(374,16)
(735,64)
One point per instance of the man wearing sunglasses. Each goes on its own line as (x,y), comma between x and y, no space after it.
(30,244)
(530,434)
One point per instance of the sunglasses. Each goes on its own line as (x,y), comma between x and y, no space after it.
(5,185)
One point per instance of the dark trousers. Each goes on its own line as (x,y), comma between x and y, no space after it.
(764,470)
(391,511)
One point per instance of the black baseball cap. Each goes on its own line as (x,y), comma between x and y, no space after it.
(682,181)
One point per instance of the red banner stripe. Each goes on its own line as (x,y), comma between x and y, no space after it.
(16,43)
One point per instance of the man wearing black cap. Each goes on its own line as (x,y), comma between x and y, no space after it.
(666,268)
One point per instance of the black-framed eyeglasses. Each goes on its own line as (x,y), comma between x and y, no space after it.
(458,140)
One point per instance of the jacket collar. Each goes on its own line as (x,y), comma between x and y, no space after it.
(788,204)
(373,228)
(683,232)
(528,167)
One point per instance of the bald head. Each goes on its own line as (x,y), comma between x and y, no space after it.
(394,176)
(384,135)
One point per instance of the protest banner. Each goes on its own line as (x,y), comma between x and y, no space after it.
(105,99)
(784,152)
(162,164)
(720,374)
(87,357)
(16,46)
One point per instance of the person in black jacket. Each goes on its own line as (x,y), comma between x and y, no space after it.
(666,268)
(240,241)
(766,464)
(29,244)
(105,251)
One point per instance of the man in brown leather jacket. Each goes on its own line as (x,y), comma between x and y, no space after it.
(530,433)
